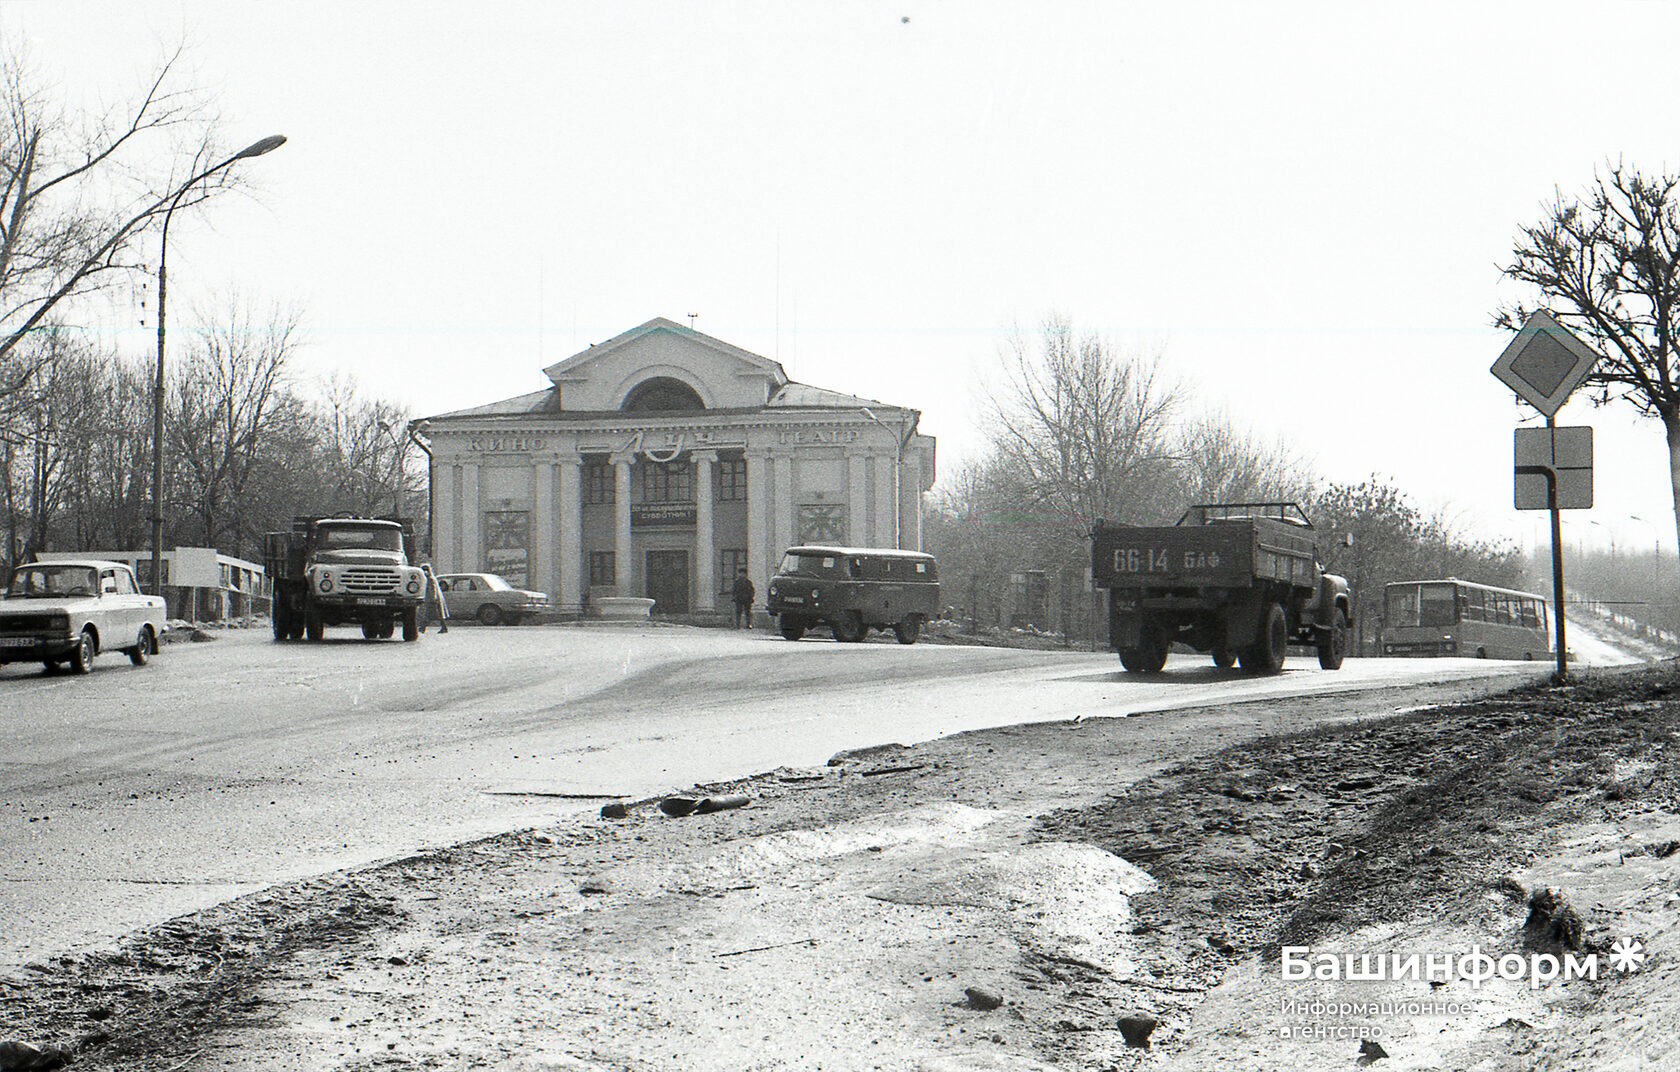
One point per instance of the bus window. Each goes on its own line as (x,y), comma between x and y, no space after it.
(1530,617)
(1402,607)
(1436,604)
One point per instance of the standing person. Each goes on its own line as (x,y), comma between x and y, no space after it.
(743,593)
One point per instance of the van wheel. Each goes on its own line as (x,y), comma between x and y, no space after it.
(490,614)
(1265,655)
(81,656)
(141,653)
(848,627)
(792,626)
(909,629)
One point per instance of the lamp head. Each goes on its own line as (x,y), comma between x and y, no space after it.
(267,145)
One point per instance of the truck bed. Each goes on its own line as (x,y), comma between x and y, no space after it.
(1220,554)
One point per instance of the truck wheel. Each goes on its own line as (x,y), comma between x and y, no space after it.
(792,626)
(282,622)
(370,631)
(81,656)
(1224,658)
(411,624)
(295,632)
(141,653)
(1332,643)
(490,614)
(1266,654)
(313,627)
(909,629)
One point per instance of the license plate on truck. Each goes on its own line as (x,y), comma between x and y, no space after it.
(17,642)
(369,601)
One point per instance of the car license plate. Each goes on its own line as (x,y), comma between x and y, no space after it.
(17,642)
(794,599)
(369,601)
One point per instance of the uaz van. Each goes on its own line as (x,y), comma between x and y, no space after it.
(852,590)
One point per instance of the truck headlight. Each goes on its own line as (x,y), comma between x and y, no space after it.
(772,589)
(414,586)
(325,584)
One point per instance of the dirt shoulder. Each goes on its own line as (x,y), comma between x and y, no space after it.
(867,914)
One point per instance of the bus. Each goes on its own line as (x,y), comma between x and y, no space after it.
(1454,617)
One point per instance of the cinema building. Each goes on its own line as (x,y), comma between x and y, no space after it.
(659,463)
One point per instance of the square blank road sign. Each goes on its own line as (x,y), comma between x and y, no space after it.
(1568,451)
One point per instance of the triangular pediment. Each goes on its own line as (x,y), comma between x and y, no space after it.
(723,376)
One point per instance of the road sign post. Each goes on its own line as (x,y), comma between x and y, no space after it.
(1543,365)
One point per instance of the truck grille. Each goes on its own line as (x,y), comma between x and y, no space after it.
(369,580)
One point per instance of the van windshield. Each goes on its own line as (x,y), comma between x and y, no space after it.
(816,565)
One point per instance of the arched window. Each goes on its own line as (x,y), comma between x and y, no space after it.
(662,394)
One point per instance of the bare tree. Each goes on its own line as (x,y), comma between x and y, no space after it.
(76,191)
(1220,462)
(1607,265)
(230,388)
(1082,429)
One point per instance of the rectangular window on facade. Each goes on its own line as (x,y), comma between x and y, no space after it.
(598,487)
(601,569)
(731,560)
(732,480)
(667,482)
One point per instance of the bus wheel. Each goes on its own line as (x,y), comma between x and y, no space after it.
(1332,644)
(1265,655)
(1481,653)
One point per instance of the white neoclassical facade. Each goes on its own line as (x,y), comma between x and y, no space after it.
(659,463)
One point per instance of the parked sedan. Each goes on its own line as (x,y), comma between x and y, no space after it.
(70,610)
(490,599)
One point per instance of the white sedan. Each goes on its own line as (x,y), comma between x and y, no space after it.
(70,610)
(490,598)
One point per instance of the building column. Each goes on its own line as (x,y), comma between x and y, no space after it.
(472,516)
(786,511)
(857,501)
(910,499)
(446,528)
(705,554)
(885,507)
(624,571)
(758,566)
(542,529)
(572,582)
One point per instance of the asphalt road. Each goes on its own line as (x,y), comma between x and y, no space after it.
(135,794)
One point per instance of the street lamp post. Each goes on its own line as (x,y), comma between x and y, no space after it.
(268,144)
(396,468)
(900,437)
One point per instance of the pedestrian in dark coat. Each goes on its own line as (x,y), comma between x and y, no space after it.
(743,594)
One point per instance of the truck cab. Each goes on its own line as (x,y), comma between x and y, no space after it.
(345,571)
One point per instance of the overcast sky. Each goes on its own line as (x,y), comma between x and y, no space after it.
(1303,207)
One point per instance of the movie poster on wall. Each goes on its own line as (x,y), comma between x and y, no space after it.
(507,545)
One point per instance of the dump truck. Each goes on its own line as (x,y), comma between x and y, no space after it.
(1241,581)
(345,571)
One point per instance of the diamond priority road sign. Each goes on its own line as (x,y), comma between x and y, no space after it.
(1544,363)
